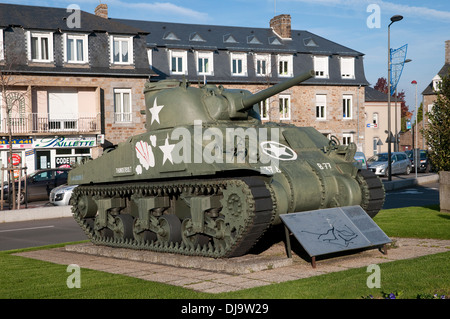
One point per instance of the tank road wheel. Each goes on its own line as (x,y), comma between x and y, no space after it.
(170,229)
(123,226)
(87,207)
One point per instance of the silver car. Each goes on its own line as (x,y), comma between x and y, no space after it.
(400,163)
(60,196)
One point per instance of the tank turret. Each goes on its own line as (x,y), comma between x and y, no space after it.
(208,103)
(208,178)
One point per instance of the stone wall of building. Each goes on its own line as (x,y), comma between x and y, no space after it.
(303,109)
(114,132)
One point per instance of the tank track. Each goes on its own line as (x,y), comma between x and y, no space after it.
(248,198)
(373,193)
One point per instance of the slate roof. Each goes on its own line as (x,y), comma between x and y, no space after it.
(51,19)
(256,39)
(372,95)
(429,89)
(16,19)
(303,45)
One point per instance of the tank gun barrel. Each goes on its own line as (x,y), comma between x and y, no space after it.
(249,101)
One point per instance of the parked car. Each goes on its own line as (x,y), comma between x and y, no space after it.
(39,184)
(424,162)
(400,163)
(361,162)
(60,196)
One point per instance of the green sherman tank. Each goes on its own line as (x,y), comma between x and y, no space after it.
(208,178)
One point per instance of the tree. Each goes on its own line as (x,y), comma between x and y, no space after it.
(437,132)
(13,101)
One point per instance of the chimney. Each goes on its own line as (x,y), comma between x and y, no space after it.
(102,10)
(281,24)
(447,52)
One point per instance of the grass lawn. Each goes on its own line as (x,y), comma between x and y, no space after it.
(24,278)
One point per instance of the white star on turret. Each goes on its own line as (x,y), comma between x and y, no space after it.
(167,150)
(155,111)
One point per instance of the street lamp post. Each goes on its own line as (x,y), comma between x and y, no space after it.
(394,18)
(415,153)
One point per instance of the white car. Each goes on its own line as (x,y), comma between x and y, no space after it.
(60,196)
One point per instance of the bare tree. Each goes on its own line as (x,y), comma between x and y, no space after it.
(13,101)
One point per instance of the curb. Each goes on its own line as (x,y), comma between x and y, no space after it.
(37,213)
(398,184)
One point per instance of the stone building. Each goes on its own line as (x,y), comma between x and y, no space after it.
(376,121)
(429,97)
(256,58)
(69,78)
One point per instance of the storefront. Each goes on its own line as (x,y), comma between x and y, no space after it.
(52,152)
(21,149)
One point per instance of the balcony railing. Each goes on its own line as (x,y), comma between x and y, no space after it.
(50,123)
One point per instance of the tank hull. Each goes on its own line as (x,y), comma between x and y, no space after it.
(185,190)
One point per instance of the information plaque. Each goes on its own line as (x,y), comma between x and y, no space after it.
(333,230)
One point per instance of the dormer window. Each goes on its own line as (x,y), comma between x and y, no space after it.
(204,63)
(40,46)
(348,67)
(178,62)
(76,48)
(285,65)
(238,64)
(121,50)
(262,64)
(437,83)
(321,66)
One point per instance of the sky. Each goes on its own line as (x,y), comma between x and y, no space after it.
(361,25)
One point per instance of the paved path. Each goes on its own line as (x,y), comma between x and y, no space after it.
(269,267)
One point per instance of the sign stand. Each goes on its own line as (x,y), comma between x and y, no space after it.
(332,230)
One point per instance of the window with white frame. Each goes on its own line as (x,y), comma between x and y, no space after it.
(285,63)
(347,107)
(238,64)
(178,62)
(321,106)
(321,66)
(437,83)
(2,56)
(205,64)
(285,107)
(348,67)
(262,64)
(121,49)
(40,46)
(76,48)
(122,105)
(375,119)
(264,109)
(347,138)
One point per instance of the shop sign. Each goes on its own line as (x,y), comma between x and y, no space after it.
(65,142)
(17,143)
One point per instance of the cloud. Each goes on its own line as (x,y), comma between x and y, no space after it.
(162,9)
(385,6)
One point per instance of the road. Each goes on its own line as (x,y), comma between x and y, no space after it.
(52,231)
